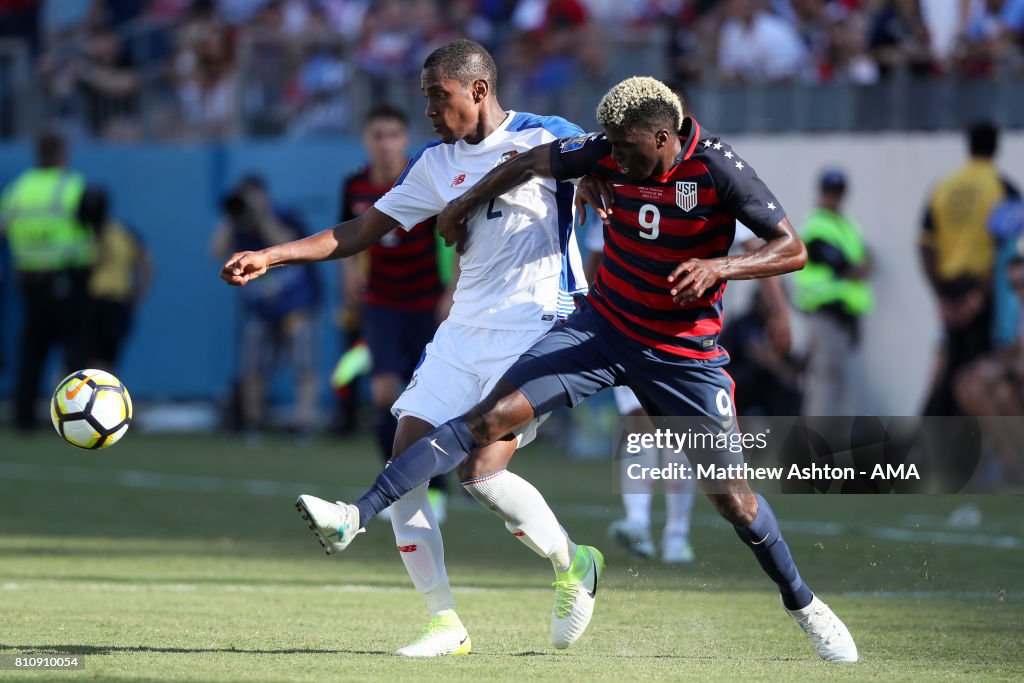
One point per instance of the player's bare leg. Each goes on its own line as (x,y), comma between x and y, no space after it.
(757,527)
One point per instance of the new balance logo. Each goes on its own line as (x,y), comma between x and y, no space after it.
(458,180)
(407,548)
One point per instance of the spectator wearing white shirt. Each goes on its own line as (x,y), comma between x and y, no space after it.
(755,46)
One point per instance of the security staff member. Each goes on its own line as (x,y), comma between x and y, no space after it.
(833,289)
(52,252)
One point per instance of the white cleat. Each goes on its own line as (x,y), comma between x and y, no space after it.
(634,539)
(827,633)
(676,549)
(444,635)
(575,594)
(335,524)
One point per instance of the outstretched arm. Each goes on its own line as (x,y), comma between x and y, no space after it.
(344,239)
(451,223)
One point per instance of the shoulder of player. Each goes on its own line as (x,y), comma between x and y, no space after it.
(429,153)
(715,152)
(555,125)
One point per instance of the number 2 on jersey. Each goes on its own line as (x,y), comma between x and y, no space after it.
(649,219)
(491,213)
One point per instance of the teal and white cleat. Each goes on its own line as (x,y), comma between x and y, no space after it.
(634,539)
(828,634)
(335,524)
(444,635)
(575,593)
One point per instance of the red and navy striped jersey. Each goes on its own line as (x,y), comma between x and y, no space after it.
(689,212)
(403,271)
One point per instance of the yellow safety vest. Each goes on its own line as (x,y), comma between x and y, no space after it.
(817,284)
(39,209)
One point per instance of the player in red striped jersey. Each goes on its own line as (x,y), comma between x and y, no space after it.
(652,320)
(397,281)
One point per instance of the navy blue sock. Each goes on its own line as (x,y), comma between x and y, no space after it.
(438,452)
(765,539)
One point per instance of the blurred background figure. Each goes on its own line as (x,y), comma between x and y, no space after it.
(992,386)
(756,46)
(52,250)
(769,377)
(398,284)
(121,276)
(833,290)
(768,374)
(957,252)
(278,318)
(633,532)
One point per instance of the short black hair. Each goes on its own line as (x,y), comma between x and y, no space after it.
(51,147)
(465,61)
(983,139)
(385,111)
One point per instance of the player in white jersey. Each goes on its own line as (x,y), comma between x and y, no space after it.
(516,280)
(634,531)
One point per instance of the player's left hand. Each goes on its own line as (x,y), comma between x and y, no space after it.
(451,225)
(691,279)
(598,193)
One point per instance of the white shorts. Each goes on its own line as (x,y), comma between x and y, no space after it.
(460,367)
(626,401)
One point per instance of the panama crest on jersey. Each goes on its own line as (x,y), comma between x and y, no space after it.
(686,195)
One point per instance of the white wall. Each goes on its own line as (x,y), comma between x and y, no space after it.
(890,175)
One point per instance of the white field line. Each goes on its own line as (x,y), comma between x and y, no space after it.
(126,587)
(194,483)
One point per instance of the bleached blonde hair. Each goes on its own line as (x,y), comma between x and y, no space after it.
(640,102)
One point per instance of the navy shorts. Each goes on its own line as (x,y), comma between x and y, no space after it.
(586,354)
(396,339)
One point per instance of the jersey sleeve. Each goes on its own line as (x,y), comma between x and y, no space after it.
(414,198)
(576,156)
(741,191)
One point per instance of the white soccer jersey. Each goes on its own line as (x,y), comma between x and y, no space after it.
(521,266)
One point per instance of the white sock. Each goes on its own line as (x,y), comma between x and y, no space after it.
(526,515)
(638,494)
(679,497)
(422,550)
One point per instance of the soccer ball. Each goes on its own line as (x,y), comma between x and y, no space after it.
(91,409)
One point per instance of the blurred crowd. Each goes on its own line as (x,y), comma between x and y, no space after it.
(205,69)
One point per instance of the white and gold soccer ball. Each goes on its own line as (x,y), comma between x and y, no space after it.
(91,409)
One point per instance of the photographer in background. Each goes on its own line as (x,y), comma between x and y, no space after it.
(279,316)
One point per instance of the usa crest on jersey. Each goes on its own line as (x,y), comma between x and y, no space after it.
(686,195)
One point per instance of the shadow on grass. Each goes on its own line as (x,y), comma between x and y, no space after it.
(117,649)
(121,649)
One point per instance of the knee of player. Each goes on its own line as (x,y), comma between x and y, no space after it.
(736,508)
(493,420)
(469,469)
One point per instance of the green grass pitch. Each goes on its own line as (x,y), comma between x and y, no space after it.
(182,558)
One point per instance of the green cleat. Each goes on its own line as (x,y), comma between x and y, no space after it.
(575,593)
